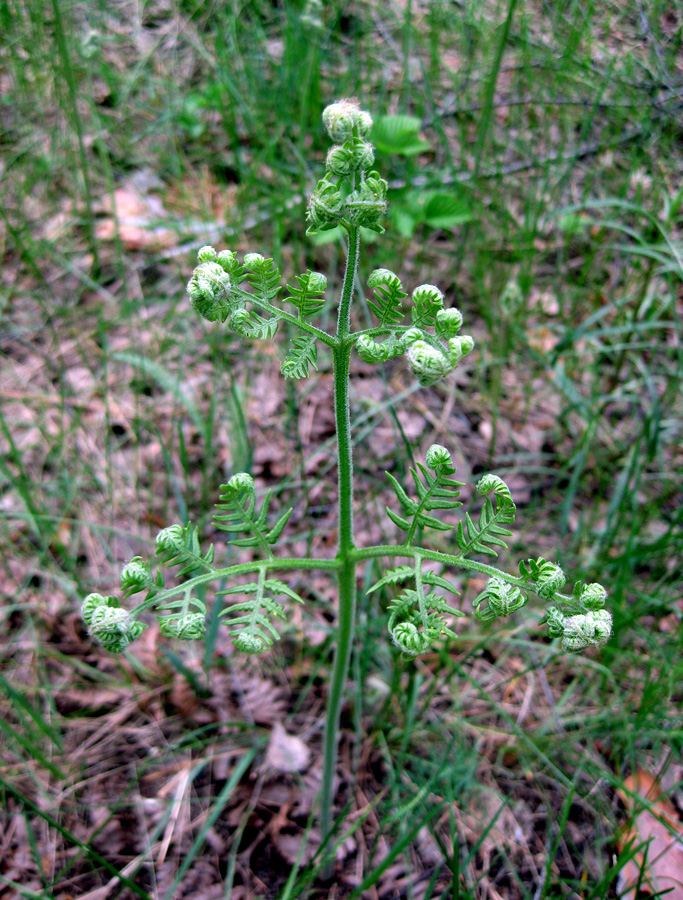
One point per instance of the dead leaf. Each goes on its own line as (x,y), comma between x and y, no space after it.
(137,214)
(656,831)
(286,752)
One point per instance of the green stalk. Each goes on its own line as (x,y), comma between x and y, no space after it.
(347,563)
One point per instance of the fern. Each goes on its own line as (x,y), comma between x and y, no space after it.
(238,499)
(263,275)
(253,632)
(179,546)
(427,302)
(302,354)
(253,325)
(393,576)
(416,621)
(403,573)
(493,517)
(388,296)
(307,297)
(435,490)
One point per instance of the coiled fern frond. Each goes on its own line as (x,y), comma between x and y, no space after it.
(238,499)
(253,631)
(435,490)
(178,545)
(403,573)
(494,516)
(263,275)
(416,621)
(388,296)
(308,297)
(187,619)
(302,355)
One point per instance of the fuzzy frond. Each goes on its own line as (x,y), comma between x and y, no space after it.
(495,514)
(308,297)
(388,296)
(253,631)
(263,275)
(414,625)
(436,490)
(238,501)
(253,325)
(393,576)
(302,355)
(179,546)
(427,302)
(403,573)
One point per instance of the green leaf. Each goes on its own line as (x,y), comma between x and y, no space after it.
(444,210)
(393,576)
(490,531)
(388,296)
(308,297)
(238,505)
(399,135)
(435,490)
(264,276)
(302,355)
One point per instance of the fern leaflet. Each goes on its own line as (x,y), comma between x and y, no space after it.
(308,296)
(492,519)
(388,296)
(263,275)
(302,354)
(178,545)
(435,490)
(238,499)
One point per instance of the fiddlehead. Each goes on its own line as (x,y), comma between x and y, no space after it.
(187,619)
(435,490)
(238,502)
(178,545)
(428,357)
(252,631)
(388,296)
(495,514)
(113,627)
(416,620)
(308,297)
(301,357)
(499,598)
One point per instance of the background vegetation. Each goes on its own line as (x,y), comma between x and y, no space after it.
(539,186)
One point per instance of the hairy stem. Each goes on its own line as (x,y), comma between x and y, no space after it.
(345,547)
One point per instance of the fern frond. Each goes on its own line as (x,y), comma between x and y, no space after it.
(253,325)
(302,354)
(263,275)
(270,584)
(179,546)
(427,302)
(253,632)
(495,514)
(393,576)
(436,490)
(238,500)
(308,296)
(388,296)
(415,625)
(435,580)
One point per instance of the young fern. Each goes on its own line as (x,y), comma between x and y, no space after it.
(494,515)
(238,500)
(243,296)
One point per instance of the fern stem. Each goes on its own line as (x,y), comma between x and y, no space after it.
(345,546)
(264,305)
(380,550)
(420,590)
(285,564)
